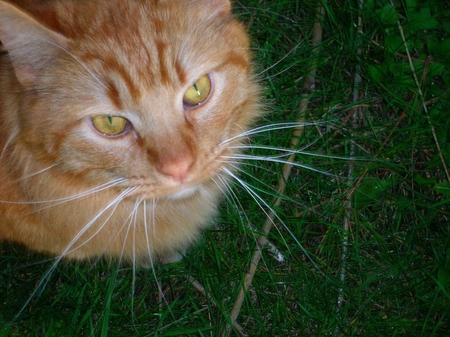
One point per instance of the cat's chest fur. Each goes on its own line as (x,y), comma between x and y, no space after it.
(118,120)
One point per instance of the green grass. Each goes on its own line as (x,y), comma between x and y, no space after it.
(366,240)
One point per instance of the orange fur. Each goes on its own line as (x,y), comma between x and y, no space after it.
(64,62)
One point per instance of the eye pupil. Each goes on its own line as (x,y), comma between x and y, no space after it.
(198,93)
(196,88)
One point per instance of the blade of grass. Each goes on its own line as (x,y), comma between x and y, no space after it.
(422,99)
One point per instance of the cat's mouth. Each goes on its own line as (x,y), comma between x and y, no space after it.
(149,191)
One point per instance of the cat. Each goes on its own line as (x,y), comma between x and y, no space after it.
(121,123)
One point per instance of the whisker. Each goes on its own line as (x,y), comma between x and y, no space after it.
(297,152)
(275,160)
(7,143)
(133,220)
(59,201)
(81,63)
(35,173)
(255,179)
(271,127)
(234,200)
(277,255)
(263,205)
(237,164)
(46,277)
(114,204)
(147,236)
(278,62)
(151,265)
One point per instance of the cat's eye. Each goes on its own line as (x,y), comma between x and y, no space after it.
(198,93)
(110,125)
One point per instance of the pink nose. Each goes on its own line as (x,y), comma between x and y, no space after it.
(177,168)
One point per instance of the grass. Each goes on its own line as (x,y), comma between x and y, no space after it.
(366,235)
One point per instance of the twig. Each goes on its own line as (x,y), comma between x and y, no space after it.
(348,201)
(309,87)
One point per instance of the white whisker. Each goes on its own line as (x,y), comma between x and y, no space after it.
(46,277)
(146,224)
(277,255)
(36,173)
(133,220)
(237,168)
(263,205)
(274,160)
(278,62)
(289,152)
(134,216)
(234,200)
(59,201)
(81,63)
(114,204)
(271,127)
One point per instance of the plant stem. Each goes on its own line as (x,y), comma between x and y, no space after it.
(348,202)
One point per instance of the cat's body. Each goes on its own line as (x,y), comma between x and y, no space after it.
(105,147)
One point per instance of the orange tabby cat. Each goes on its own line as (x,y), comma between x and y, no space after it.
(116,118)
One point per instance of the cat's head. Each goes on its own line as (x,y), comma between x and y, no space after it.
(144,90)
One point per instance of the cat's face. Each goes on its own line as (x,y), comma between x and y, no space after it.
(147,93)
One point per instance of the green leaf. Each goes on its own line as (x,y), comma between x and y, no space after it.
(435,69)
(440,49)
(370,191)
(387,15)
(411,4)
(394,43)
(4,332)
(436,160)
(422,19)
(401,74)
(442,188)
(441,135)
(368,5)
(425,182)
(444,271)
(378,72)
(446,76)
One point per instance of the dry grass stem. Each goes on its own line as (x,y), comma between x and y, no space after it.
(309,87)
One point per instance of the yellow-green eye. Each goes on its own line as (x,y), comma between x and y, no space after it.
(198,92)
(109,125)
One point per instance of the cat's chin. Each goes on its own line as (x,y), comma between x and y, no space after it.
(183,193)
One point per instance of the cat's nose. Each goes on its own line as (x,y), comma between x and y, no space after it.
(177,168)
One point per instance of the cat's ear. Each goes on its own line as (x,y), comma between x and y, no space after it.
(30,45)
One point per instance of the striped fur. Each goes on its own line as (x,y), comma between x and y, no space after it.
(146,194)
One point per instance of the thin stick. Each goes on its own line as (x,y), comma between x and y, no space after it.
(309,87)
(348,202)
